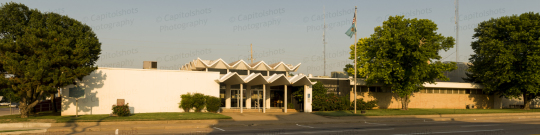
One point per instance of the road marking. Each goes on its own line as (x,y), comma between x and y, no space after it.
(219,129)
(304,126)
(435,121)
(338,131)
(452,132)
(373,123)
(480,125)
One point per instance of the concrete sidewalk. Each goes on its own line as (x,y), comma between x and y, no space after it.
(262,119)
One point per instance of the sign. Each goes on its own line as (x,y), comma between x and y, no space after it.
(76,92)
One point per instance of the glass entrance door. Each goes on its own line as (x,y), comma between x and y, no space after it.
(235,98)
(257,99)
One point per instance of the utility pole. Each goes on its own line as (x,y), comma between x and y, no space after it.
(457,28)
(324,41)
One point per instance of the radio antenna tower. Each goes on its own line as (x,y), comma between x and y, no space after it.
(324,41)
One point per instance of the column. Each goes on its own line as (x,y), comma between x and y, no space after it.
(267,73)
(248,96)
(227,96)
(308,96)
(227,70)
(267,100)
(248,72)
(264,98)
(206,69)
(285,98)
(241,98)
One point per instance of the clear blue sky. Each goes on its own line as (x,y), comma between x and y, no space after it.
(176,32)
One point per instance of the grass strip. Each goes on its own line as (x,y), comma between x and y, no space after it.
(395,112)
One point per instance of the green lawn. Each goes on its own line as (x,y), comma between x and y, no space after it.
(4,106)
(391,112)
(93,118)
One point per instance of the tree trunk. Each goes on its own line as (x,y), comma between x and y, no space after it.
(26,108)
(527,101)
(53,103)
(23,109)
(405,103)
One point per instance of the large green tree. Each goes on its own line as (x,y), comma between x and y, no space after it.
(43,52)
(507,56)
(402,55)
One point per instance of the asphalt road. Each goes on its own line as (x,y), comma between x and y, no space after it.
(488,127)
(5,111)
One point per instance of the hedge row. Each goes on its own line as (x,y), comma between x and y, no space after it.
(198,102)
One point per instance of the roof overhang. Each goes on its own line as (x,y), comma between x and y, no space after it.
(233,78)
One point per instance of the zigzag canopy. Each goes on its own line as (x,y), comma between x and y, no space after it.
(258,79)
(198,65)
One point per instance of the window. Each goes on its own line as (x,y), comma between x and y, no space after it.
(361,89)
(461,91)
(264,73)
(221,71)
(474,91)
(240,72)
(222,89)
(423,91)
(467,91)
(372,89)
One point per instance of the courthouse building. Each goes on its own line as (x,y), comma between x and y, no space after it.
(452,94)
(253,87)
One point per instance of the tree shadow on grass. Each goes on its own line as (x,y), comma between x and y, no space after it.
(72,122)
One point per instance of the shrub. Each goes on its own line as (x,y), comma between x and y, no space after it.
(213,104)
(186,103)
(344,103)
(331,102)
(121,110)
(199,101)
(290,106)
(363,105)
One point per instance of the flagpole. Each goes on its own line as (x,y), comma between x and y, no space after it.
(355,71)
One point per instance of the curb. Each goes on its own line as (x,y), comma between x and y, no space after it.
(25,132)
(434,116)
(99,128)
(109,123)
(25,125)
